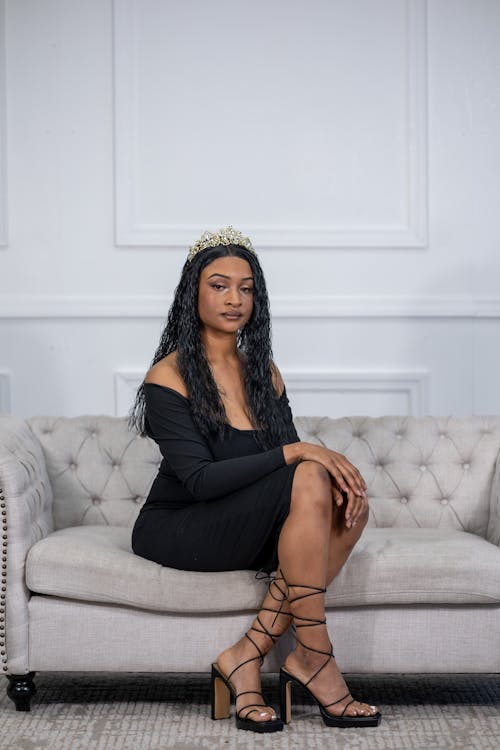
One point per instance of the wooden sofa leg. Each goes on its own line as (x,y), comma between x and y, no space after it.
(21,689)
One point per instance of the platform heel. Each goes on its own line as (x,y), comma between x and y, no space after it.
(221,687)
(287,679)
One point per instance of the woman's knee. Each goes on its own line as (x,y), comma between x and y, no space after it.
(312,486)
(310,473)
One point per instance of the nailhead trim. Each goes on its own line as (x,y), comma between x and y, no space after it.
(3,645)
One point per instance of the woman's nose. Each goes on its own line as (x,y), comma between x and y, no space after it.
(233,297)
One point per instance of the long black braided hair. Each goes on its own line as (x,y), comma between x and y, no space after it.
(182,333)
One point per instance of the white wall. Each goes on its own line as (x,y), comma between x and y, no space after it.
(354,142)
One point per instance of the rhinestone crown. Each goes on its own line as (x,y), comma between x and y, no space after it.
(225,236)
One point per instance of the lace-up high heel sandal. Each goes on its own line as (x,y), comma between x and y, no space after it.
(221,687)
(287,679)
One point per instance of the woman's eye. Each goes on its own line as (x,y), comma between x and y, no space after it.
(217,286)
(247,289)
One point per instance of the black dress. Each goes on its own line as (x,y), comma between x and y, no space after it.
(214,505)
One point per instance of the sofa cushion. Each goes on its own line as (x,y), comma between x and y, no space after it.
(96,563)
(418,566)
(387,566)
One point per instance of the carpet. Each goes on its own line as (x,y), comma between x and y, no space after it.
(127,711)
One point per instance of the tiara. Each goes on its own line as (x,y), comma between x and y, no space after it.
(225,236)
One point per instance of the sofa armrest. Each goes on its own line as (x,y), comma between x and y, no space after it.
(493,533)
(26,513)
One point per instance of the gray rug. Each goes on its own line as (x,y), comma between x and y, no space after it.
(73,711)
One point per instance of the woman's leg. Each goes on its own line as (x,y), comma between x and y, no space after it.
(313,511)
(311,555)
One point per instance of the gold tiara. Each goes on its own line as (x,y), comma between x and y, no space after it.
(225,236)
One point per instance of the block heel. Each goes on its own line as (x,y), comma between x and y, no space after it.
(285,697)
(220,696)
(221,690)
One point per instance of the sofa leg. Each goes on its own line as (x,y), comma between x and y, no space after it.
(21,689)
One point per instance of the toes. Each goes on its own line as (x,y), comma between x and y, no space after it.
(267,716)
(362,710)
(261,714)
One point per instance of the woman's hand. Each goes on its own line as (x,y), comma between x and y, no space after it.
(355,507)
(345,476)
(338,466)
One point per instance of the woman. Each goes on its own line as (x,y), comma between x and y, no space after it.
(238,490)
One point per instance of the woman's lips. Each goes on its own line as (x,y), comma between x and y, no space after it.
(232,316)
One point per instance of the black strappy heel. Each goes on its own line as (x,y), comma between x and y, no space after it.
(221,687)
(287,679)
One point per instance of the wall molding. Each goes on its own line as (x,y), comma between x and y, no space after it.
(35,306)
(413,233)
(3,132)
(414,384)
(5,393)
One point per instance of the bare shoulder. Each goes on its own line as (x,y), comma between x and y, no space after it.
(165,372)
(278,382)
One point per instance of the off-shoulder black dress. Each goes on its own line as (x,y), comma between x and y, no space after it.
(214,505)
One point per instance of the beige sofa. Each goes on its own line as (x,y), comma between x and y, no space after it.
(420,592)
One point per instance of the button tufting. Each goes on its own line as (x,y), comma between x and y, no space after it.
(399,435)
(423,467)
(466,466)
(138,499)
(96,500)
(444,501)
(442,435)
(73,465)
(403,500)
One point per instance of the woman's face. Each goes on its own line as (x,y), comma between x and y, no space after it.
(225,294)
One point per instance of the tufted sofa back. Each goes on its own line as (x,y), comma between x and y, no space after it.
(429,471)
(420,471)
(99,471)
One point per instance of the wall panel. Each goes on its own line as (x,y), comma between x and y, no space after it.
(354,142)
(3,132)
(311,111)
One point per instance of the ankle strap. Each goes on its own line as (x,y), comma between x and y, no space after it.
(259,657)
(281,599)
(314,591)
(263,629)
(309,622)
